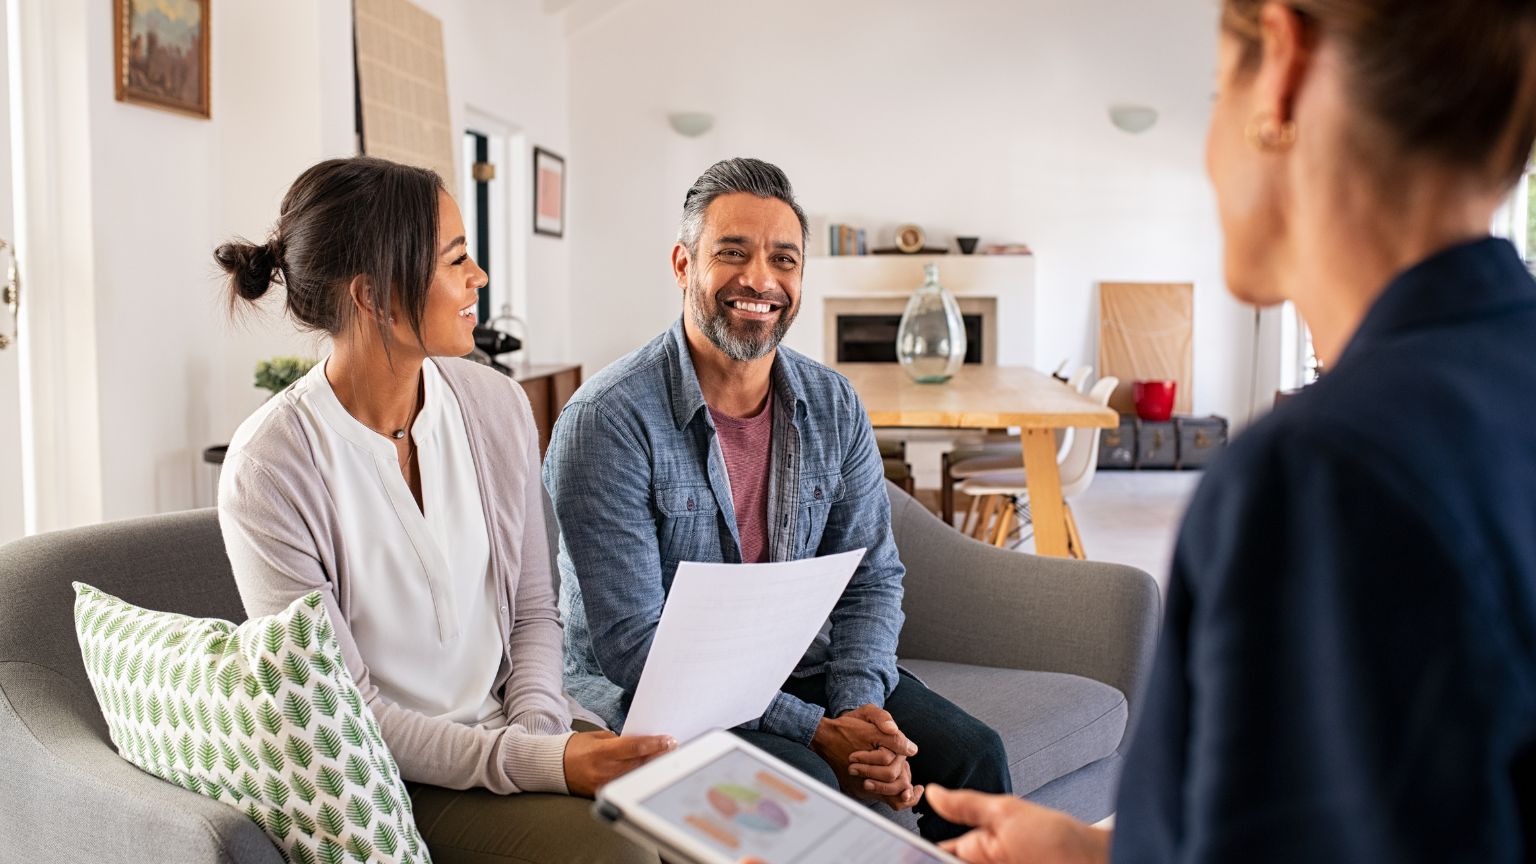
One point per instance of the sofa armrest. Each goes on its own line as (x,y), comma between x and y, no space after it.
(66,796)
(967,602)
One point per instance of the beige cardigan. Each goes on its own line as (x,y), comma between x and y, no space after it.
(284,541)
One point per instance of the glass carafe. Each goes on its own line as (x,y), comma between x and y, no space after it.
(931,341)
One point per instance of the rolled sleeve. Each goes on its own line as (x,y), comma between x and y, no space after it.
(789,717)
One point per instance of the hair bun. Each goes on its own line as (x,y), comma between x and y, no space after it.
(249,267)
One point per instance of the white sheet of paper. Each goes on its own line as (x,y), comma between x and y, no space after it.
(728,638)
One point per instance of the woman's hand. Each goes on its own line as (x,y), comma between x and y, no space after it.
(1008,830)
(594,758)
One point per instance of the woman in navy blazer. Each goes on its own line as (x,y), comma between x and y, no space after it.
(1348,664)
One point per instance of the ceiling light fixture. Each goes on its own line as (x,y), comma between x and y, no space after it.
(1134,119)
(691,124)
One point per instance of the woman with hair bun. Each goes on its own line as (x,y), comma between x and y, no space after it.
(1347,671)
(402,483)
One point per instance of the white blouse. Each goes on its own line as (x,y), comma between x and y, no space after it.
(423,608)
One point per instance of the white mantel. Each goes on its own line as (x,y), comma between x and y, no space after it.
(1009,280)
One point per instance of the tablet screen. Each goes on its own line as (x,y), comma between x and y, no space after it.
(743,807)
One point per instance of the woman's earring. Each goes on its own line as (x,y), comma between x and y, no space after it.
(1268,134)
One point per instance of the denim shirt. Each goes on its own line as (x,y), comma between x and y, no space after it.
(639,484)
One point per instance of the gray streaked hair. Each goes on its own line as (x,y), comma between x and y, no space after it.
(729,176)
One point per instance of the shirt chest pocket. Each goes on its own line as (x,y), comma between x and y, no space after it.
(818,492)
(689,524)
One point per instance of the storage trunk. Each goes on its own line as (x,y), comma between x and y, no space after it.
(1117,447)
(1157,445)
(1201,440)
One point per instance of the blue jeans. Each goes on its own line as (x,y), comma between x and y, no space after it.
(955,750)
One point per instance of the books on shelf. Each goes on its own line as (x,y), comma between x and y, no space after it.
(843,239)
(846,240)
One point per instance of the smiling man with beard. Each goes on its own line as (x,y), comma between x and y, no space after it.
(714,443)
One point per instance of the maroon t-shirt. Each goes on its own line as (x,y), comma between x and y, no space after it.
(747,447)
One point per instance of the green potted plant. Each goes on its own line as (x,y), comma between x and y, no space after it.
(277,373)
(274,375)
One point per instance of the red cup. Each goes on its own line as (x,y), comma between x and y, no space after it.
(1154,399)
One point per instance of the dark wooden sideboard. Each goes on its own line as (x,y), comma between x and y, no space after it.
(549,387)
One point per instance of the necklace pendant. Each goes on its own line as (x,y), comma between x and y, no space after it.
(397,434)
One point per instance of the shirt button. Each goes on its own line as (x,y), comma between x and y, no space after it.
(691,504)
(503,610)
(817,494)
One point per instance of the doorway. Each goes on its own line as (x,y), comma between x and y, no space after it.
(493,194)
(477,211)
(12,482)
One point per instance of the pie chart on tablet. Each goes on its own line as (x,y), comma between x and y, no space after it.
(748,808)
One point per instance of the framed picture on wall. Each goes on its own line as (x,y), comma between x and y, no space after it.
(160,51)
(548,193)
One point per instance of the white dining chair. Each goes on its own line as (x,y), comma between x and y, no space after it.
(962,464)
(1000,498)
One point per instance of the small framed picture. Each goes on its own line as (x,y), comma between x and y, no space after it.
(160,52)
(548,193)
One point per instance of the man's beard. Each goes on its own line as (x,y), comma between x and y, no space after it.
(742,341)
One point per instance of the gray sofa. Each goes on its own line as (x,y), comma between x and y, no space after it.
(1049,652)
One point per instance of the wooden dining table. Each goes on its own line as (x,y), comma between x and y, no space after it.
(991,397)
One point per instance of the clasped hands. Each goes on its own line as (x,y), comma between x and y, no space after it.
(865,748)
(869,753)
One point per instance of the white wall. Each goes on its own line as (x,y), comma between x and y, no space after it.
(983,117)
(174,374)
(507,60)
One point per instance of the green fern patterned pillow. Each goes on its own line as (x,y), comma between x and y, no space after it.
(263,716)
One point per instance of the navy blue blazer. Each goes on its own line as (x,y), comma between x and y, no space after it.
(1347,670)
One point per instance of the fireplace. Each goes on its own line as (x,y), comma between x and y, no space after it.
(863,329)
(996,296)
(872,338)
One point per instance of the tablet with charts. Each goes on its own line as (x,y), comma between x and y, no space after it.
(719,800)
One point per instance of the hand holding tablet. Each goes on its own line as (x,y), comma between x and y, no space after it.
(718,800)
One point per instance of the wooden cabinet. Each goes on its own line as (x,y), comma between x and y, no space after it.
(548,387)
